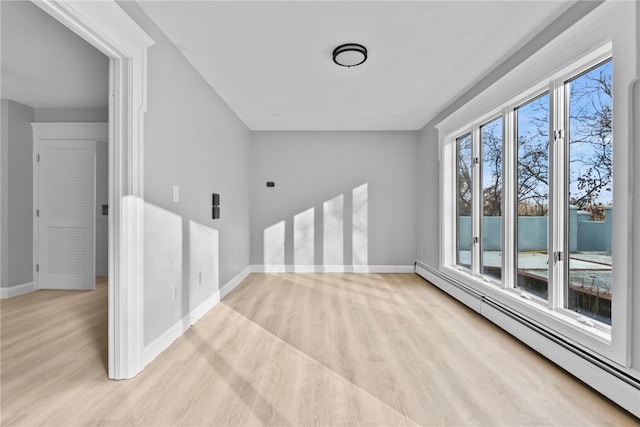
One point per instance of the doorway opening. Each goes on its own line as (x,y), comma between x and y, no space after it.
(106,27)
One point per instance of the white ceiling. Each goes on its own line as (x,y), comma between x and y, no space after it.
(45,65)
(271,60)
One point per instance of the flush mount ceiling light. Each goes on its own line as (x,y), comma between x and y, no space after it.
(349,54)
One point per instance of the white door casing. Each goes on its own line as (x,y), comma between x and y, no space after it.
(65,214)
(109,29)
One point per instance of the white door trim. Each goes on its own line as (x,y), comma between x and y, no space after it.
(109,29)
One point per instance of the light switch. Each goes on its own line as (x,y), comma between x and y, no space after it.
(176,193)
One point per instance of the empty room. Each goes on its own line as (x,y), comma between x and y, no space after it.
(329,213)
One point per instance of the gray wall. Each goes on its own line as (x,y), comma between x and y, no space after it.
(428,197)
(17,194)
(635,320)
(311,168)
(193,140)
(4,139)
(72,114)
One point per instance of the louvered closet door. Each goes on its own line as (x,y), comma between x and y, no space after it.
(66,185)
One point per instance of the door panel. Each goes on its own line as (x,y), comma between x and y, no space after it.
(66,225)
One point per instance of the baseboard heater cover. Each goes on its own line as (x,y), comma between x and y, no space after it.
(455,288)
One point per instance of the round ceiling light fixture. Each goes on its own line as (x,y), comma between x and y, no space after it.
(349,54)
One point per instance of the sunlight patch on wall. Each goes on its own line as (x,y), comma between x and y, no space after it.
(274,245)
(303,237)
(319,239)
(163,267)
(203,256)
(360,225)
(333,229)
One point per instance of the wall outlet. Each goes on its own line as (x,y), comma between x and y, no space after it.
(175,292)
(200,278)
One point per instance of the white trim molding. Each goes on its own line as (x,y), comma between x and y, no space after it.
(634,301)
(333,268)
(160,344)
(17,290)
(110,30)
(235,281)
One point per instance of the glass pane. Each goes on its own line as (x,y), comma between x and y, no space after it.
(590,165)
(464,172)
(491,143)
(533,196)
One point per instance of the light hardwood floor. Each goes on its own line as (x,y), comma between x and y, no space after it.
(291,349)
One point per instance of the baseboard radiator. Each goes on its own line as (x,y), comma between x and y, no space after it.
(603,376)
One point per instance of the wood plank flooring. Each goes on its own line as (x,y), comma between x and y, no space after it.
(291,349)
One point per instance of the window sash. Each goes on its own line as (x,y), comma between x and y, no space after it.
(482,263)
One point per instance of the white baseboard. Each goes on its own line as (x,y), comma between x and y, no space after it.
(14,291)
(615,388)
(231,284)
(163,342)
(334,269)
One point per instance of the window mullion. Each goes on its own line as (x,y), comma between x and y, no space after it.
(464,201)
(557,211)
(509,219)
(476,213)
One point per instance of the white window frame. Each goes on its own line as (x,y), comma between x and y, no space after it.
(479,190)
(457,201)
(610,342)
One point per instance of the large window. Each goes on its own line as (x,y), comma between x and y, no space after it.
(534,196)
(553,244)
